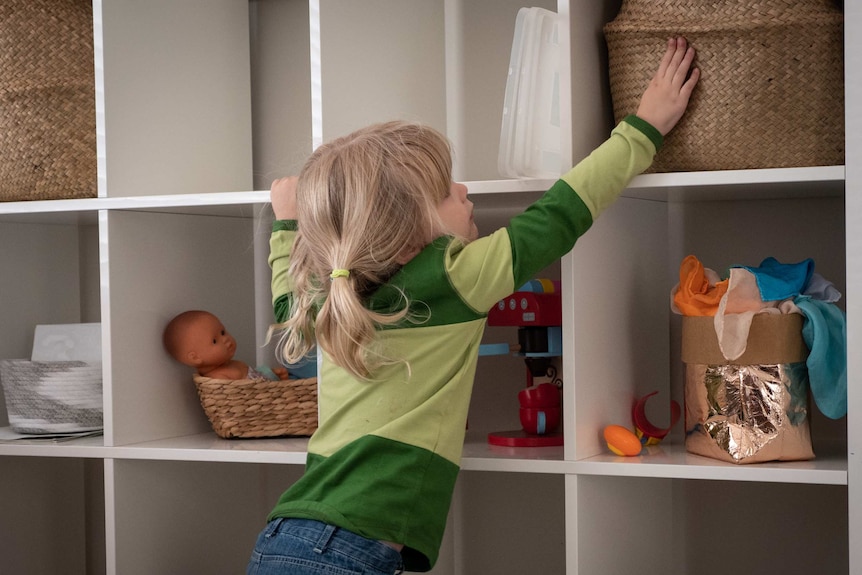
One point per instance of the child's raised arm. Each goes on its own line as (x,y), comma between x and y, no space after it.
(282,194)
(665,99)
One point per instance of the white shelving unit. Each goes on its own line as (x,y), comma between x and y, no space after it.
(201,103)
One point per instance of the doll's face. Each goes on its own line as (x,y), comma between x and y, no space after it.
(208,343)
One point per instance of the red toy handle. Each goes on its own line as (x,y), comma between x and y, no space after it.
(648,433)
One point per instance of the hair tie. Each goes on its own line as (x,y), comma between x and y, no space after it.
(339,274)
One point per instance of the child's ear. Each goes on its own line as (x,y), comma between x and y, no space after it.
(407,254)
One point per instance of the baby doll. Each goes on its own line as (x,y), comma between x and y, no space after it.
(198,339)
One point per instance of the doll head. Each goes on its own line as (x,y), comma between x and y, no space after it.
(198,339)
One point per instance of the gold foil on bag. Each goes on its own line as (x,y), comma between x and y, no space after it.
(748,413)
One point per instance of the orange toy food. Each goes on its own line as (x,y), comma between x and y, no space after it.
(622,441)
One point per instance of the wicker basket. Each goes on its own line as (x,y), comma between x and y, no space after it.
(47,100)
(259,407)
(771,92)
(46,397)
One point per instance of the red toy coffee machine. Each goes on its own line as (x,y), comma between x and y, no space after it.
(536,309)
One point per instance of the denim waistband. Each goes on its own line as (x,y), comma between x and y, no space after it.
(324,537)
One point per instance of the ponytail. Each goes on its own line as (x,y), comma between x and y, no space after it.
(364,201)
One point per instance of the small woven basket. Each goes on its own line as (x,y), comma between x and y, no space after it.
(771,91)
(252,408)
(46,397)
(47,100)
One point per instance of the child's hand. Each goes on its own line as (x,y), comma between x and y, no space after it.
(666,98)
(282,194)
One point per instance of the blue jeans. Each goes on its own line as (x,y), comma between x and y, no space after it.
(302,546)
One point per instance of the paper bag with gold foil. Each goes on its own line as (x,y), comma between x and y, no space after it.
(755,408)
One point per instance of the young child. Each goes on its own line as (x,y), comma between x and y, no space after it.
(385,273)
(198,339)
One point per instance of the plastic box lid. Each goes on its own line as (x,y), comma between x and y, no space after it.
(530,131)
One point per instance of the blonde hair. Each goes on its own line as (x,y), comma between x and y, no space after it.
(364,201)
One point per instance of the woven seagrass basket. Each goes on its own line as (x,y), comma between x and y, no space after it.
(47,100)
(252,408)
(771,92)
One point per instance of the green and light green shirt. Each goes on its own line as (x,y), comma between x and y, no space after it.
(386,454)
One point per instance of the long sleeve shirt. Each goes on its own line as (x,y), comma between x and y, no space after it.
(385,457)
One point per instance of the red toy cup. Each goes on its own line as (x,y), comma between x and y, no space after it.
(542,395)
(540,420)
